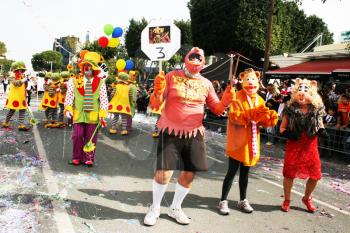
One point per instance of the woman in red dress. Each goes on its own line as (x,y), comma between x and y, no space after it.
(301,125)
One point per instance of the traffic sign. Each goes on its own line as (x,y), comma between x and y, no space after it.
(160,40)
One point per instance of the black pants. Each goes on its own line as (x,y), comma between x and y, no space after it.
(29,97)
(233,166)
(5,87)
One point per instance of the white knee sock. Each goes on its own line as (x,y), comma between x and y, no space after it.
(158,193)
(179,196)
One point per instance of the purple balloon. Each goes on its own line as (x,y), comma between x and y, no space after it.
(117,32)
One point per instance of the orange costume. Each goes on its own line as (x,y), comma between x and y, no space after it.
(243,113)
(247,113)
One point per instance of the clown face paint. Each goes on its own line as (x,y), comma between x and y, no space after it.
(19,74)
(195,60)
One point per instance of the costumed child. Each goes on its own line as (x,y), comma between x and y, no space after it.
(49,102)
(133,97)
(86,102)
(247,113)
(47,80)
(343,111)
(61,97)
(120,103)
(181,141)
(16,99)
(301,124)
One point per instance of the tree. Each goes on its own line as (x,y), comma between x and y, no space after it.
(225,25)
(6,65)
(47,60)
(3,49)
(133,37)
(185,28)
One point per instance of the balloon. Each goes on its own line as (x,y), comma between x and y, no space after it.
(108,29)
(120,64)
(129,64)
(82,53)
(103,41)
(117,32)
(113,42)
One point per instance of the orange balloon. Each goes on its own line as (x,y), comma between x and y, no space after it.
(82,53)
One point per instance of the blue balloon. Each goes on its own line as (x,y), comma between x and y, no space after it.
(129,64)
(117,32)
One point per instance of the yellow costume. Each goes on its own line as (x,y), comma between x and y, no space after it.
(16,99)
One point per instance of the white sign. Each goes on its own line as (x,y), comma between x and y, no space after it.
(160,40)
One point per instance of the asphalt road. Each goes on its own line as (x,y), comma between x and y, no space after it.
(40,192)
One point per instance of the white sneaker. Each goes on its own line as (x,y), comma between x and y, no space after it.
(151,216)
(178,215)
(223,207)
(244,206)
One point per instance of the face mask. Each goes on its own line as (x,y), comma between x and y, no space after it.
(88,73)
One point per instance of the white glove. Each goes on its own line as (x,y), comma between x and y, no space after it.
(69,114)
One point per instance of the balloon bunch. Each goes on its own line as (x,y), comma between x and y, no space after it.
(113,42)
(123,65)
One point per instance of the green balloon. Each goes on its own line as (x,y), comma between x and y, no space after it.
(108,29)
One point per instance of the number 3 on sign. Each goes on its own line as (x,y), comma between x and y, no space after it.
(162,54)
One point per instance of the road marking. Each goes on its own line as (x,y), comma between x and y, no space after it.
(116,144)
(216,160)
(63,222)
(302,195)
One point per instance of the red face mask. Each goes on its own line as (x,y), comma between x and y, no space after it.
(19,74)
(195,60)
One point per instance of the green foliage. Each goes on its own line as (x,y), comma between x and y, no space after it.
(220,26)
(42,61)
(185,28)
(133,37)
(6,65)
(3,49)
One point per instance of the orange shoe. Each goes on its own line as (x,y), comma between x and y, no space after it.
(309,205)
(285,206)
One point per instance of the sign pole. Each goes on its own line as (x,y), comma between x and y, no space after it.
(160,66)
(230,74)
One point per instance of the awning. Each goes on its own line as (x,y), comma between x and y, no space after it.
(313,69)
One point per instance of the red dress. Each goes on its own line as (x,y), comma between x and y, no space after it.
(302,159)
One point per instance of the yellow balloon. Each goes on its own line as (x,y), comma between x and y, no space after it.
(113,42)
(120,64)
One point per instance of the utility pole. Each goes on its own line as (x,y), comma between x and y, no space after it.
(268,40)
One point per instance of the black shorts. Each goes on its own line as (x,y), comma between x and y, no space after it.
(184,154)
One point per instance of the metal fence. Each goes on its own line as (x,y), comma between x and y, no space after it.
(337,145)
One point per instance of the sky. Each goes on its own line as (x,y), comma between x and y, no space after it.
(30,26)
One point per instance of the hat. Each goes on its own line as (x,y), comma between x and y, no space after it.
(123,77)
(18,65)
(48,75)
(93,59)
(65,75)
(56,77)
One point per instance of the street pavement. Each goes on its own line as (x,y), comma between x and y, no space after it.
(40,192)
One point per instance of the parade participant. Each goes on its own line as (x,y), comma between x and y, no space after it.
(343,111)
(301,123)
(247,113)
(16,99)
(50,100)
(120,103)
(133,97)
(61,97)
(47,80)
(86,102)
(181,140)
